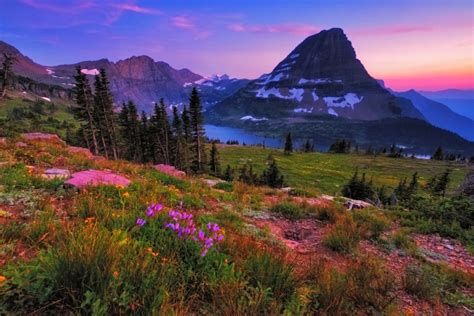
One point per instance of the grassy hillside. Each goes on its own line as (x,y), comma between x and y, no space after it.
(327,173)
(104,250)
(30,113)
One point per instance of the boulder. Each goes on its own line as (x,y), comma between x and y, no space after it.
(42,137)
(212,182)
(21,145)
(351,204)
(97,177)
(170,170)
(80,150)
(56,173)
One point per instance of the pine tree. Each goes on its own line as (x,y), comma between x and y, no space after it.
(129,123)
(187,139)
(178,140)
(229,174)
(308,147)
(197,132)
(104,114)
(439,154)
(145,139)
(214,163)
(272,175)
(288,145)
(6,72)
(442,183)
(84,110)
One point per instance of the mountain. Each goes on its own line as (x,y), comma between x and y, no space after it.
(439,114)
(216,88)
(138,78)
(322,75)
(460,101)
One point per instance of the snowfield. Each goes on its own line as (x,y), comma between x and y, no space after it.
(91,72)
(347,101)
(295,93)
(303,110)
(253,119)
(332,112)
(46,99)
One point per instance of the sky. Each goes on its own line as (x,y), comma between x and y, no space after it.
(420,44)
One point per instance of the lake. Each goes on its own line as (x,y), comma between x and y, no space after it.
(225,134)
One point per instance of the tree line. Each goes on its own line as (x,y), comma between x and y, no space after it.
(179,141)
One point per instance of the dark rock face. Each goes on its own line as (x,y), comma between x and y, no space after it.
(467,186)
(320,76)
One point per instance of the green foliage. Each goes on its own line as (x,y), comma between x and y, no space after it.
(420,281)
(289,210)
(272,175)
(344,236)
(372,222)
(359,189)
(226,186)
(341,147)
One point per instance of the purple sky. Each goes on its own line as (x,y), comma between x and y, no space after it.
(422,44)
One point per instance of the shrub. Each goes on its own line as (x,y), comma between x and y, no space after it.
(328,213)
(402,240)
(344,236)
(225,186)
(371,222)
(289,210)
(420,281)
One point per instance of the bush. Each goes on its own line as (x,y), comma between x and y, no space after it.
(289,210)
(225,186)
(371,222)
(402,240)
(328,213)
(420,281)
(344,236)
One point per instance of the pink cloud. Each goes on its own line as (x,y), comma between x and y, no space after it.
(296,29)
(136,8)
(393,30)
(182,22)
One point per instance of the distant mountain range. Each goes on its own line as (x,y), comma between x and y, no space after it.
(138,78)
(320,91)
(460,101)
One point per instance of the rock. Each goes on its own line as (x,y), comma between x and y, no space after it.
(42,137)
(21,145)
(286,189)
(212,182)
(170,170)
(467,186)
(356,204)
(97,177)
(56,173)
(80,150)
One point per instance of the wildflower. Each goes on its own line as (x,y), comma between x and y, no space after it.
(2,278)
(125,194)
(115,274)
(89,220)
(153,209)
(140,222)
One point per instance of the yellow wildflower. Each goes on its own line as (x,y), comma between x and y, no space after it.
(125,194)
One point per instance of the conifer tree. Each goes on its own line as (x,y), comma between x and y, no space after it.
(6,72)
(229,174)
(145,138)
(214,163)
(272,175)
(197,132)
(288,144)
(178,140)
(84,110)
(438,154)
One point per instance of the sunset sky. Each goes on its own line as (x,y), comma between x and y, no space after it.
(422,44)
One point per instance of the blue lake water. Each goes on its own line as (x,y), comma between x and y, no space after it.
(225,134)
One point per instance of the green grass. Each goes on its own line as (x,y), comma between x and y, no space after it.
(327,172)
(19,115)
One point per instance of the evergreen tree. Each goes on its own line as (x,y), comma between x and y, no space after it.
(196,121)
(84,111)
(288,144)
(442,182)
(229,174)
(438,154)
(308,147)
(129,127)
(247,174)
(145,139)
(214,163)
(104,114)
(6,72)
(272,175)
(187,139)
(178,140)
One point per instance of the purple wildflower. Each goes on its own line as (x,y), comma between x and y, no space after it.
(153,209)
(140,222)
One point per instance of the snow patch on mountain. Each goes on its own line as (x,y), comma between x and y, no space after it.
(317,81)
(91,72)
(332,112)
(295,93)
(49,71)
(303,110)
(46,99)
(293,56)
(253,119)
(347,101)
(267,78)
